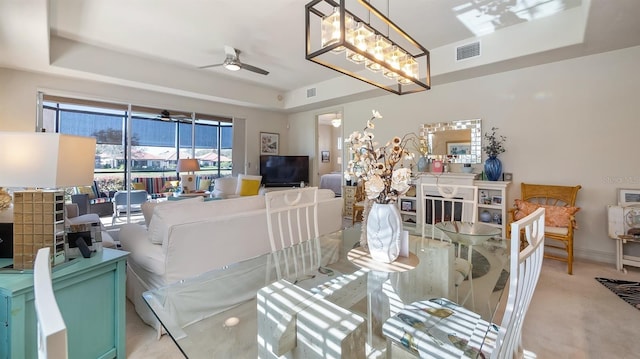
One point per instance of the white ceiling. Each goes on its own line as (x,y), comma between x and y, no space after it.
(159,44)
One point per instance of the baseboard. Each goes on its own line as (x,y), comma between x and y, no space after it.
(588,255)
(595,256)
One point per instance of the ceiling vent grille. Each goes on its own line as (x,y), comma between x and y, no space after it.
(311,92)
(468,51)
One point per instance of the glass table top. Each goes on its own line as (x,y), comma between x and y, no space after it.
(468,232)
(215,314)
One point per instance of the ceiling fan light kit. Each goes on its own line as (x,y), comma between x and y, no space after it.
(363,43)
(232,66)
(232,62)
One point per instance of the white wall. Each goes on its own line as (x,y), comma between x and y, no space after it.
(567,123)
(18,106)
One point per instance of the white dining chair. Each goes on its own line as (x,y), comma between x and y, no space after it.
(449,202)
(292,218)
(51,328)
(525,266)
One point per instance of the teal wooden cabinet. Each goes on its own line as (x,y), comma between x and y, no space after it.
(91,295)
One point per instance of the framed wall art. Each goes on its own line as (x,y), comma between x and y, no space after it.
(269,143)
(458,148)
(628,196)
(406,205)
(325,156)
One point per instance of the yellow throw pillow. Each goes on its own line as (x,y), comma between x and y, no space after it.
(86,190)
(249,187)
(138,185)
(204,185)
(246,177)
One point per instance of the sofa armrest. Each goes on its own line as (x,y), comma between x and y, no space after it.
(133,236)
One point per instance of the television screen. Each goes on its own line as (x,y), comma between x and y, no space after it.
(284,171)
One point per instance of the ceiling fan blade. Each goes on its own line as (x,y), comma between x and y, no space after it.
(254,69)
(208,66)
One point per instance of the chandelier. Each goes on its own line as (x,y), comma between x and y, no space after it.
(365,44)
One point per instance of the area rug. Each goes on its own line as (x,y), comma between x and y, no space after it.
(626,290)
(481,267)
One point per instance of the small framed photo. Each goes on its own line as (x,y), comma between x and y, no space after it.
(506,176)
(325,156)
(406,205)
(458,148)
(496,200)
(628,196)
(269,143)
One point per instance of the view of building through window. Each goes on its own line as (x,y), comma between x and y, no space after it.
(156,142)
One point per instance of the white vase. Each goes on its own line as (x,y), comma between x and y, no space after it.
(384,226)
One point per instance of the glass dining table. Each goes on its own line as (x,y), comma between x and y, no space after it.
(217,314)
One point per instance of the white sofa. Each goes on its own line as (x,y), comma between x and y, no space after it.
(187,238)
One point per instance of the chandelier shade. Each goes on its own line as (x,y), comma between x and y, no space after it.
(354,38)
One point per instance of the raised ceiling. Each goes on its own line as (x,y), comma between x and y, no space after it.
(159,44)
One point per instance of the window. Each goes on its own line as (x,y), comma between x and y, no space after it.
(156,143)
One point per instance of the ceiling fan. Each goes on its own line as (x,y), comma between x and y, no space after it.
(232,62)
(165,115)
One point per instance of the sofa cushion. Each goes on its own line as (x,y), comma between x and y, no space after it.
(225,186)
(555,216)
(138,186)
(148,210)
(88,190)
(204,185)
(147,207)
(243,178)
(164,217)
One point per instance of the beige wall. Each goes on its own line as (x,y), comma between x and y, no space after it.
(570,122)
(18,106)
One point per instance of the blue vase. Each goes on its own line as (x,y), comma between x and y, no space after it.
(493,168)
(423,163)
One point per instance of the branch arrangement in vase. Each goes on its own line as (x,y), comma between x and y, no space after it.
(376,165)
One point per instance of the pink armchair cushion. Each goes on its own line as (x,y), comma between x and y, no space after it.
(555,216)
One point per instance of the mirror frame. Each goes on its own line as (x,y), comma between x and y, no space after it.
(475,125)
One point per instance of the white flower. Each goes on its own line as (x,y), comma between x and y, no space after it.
(373,187)
(375,164)
(400,180)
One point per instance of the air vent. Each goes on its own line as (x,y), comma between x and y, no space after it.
(311,92)
(467,51)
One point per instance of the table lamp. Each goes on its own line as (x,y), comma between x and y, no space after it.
(45,163)
(188,181)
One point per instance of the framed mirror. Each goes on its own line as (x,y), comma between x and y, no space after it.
(460,140)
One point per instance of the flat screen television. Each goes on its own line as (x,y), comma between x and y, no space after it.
(284,171)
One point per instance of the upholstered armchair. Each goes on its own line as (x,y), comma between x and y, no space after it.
(91,200)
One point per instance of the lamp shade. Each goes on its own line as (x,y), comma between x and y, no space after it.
(188,165)
(46,160)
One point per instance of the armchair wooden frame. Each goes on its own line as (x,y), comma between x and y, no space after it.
(553,195)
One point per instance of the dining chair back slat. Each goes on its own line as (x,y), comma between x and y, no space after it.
(292,218)
(525,267)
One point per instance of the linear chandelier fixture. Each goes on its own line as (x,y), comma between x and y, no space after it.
(365,44)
